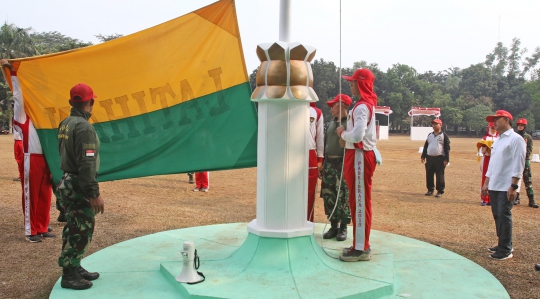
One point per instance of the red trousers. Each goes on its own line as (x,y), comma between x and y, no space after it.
(313,176)
(37,192)
(358,172)
(19,157)
(202,179)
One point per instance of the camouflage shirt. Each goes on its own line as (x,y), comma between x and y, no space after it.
(78,144)
(529,141)
(331,138)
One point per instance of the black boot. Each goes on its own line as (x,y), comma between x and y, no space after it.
(532,204)
(62,217)
(87,275)
(342,234)
(72,279)
(332,232)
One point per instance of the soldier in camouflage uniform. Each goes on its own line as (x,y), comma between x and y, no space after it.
(527,175)
(78,144)
(332,171)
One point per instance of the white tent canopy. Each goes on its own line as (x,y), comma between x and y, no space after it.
(417,111)
(383,130)
(420,133)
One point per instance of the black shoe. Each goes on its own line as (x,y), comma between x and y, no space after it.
(356,256)
(87,275)
(48,235)
(342,233)
(533,205)
(429,193)
(439,194)
(495,248)
(331,233)
(62,218)
(72,279)
(33,238)
(17,179)
(49,228)
(537,267)
(499,255)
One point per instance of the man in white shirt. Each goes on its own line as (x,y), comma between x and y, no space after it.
(502,178)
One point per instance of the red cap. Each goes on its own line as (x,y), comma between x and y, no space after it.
(436,121)
(522,121)
(345,99)
(361,75)
(83,91)
(499,113)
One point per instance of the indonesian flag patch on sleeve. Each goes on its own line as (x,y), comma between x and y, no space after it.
(89,153)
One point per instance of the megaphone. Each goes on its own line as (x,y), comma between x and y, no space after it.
(189,272)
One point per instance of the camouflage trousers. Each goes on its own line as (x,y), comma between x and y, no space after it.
(79,228)
(59,204)
(329,189)
(527,179)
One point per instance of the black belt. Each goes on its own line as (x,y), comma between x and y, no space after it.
(335,159)
(441,156)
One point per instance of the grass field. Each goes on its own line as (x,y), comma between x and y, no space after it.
(138,207)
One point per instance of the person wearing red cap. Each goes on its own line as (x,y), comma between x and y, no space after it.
(333,188)
(502,178)
(360,162)
(36,178)
(491,135)
(436,155)
(78,145)
(316,154)
(527,174)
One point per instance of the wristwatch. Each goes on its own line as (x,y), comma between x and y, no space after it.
(514,186)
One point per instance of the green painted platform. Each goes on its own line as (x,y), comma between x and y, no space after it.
(242,265)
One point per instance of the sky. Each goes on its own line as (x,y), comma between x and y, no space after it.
(425,34)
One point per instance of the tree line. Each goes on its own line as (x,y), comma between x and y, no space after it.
(507,79)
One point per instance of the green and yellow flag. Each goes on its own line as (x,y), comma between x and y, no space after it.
(173,98)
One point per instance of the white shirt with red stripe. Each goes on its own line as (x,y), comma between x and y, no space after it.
(21,121)
(360,127)
(16,135)
(316,130)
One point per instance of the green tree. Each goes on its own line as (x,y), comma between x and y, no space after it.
(16,42)
(105,38)
(6,109)
(475,117)
(497,61)
(477,80)
(253,79)
(54,41)
(326,84)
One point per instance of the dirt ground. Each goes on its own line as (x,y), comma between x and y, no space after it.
(138,207)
